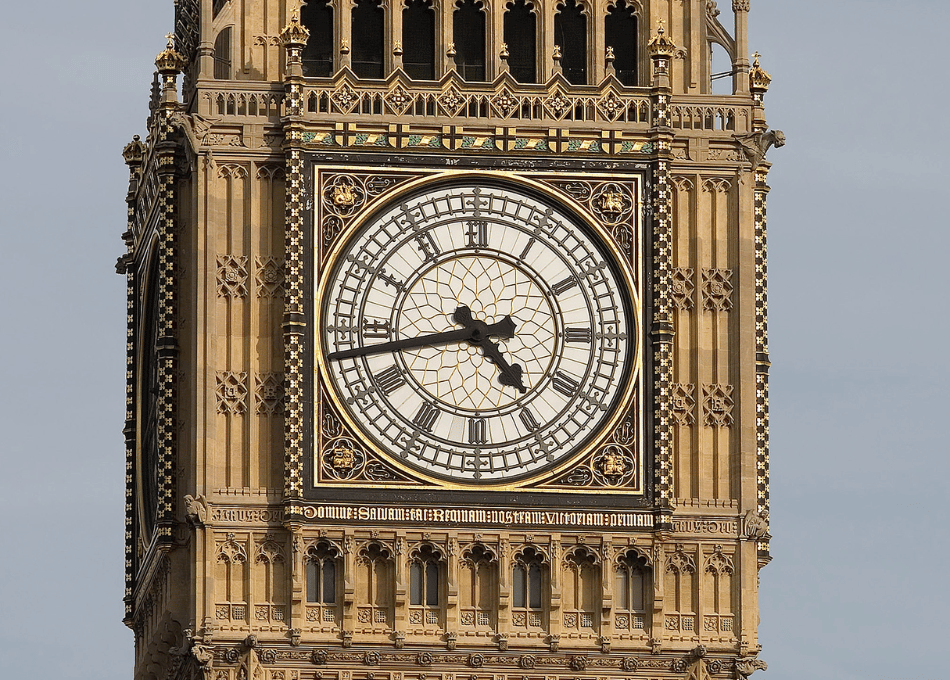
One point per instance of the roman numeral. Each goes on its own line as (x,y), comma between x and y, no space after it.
(528,420)
(564,285)
(386,277)
(427,245)
(524,253)
(578,335)
(389,380)
(477,233)
(477,431)
(565,384)
(376,328)
(426,417)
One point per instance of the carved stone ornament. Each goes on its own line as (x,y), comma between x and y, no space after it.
(746,667)
(684,403)
(270,277)
(232,276)
(231,392)
(719,563)
(270,393)
(612,203)
(718,405)
(195,509)
(682,287)
(614,466)
(756,524)
(717,290)
(231,551)
(756,144)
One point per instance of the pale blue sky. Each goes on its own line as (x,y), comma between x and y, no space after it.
(858,245)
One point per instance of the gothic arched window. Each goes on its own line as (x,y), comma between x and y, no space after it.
(680,584)
(477,582)
(620,34)
(521,39)
(425,587)
(367,34)
(321,573)
(631,592)
(222,54)
(418,39)
(581,590)
(375,587)
(317,17)
(468,31)
(570,32)
(527,588)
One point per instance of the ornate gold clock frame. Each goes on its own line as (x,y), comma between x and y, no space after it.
(611,204)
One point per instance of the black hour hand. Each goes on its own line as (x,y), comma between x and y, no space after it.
(481,332)
(507,375)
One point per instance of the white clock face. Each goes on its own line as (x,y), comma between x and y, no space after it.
(476,333)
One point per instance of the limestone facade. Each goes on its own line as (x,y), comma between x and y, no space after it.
(266,539)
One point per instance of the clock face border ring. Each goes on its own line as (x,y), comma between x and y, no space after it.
(631,297)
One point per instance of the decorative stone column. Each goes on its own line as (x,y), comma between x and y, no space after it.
(662,50)
(740,9)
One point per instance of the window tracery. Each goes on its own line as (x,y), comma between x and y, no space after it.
(418,39)
(468,34)
(522,40)
(632,592)
(478,570)
(425,586)
(621,35)
(582,591)
(368,29)
(570,34)
(375,584)
(317,57)
(528,586)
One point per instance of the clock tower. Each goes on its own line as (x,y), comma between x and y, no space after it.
(447,352)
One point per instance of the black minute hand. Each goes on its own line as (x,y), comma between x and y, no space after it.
(498,330)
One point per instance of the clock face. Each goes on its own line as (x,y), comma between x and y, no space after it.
(476,333)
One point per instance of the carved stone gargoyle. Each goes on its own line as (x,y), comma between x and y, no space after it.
(196,511)
(746,667)
(756,524)
(756,144)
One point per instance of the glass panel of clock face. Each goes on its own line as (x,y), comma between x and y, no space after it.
(476,333)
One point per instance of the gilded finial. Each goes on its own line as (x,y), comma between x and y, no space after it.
(610,53)
(504,51)
(659,44)
(397,48)
(344,46)
(759,79)
(557,53)
(451,51)
(294,33)
(169,60)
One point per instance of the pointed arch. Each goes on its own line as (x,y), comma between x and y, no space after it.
(478,578)
(632,590)
(570,33)
(529,585)
(521,37)
(621,35)
(317,17)
(376,586)
(368,31)
(418,39)
(581,589)
(222,54)
(468,34)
